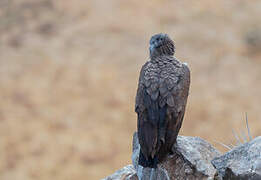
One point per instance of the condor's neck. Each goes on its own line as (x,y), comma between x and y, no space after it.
(161,58)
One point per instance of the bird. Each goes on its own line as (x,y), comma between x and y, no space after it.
(161,99)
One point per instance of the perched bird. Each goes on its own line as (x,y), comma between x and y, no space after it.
(160,101)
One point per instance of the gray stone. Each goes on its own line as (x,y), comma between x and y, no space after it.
(126,173)
(191,160)
(135,150)
(152,174)
(242,162)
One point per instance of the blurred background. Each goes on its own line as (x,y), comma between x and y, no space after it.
(69,72)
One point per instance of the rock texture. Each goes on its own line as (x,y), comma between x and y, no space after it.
(196,159)
(242,162)
(126,173)
(192,160)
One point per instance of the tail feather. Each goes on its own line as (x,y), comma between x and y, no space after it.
(151,162)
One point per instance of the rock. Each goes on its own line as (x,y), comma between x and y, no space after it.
(126,173)
(242,162)
(135,150)
(191,160)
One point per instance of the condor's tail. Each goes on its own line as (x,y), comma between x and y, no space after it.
(151,162)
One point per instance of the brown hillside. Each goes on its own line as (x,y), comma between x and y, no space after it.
(69,70)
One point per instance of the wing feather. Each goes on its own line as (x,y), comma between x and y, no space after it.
(147,109)
(160,103)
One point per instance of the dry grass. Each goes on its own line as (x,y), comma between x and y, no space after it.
(69,69)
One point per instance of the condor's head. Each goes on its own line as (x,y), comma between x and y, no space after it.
(161,44)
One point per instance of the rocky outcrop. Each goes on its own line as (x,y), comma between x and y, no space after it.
(242,162)
(196,159)
(191,160)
